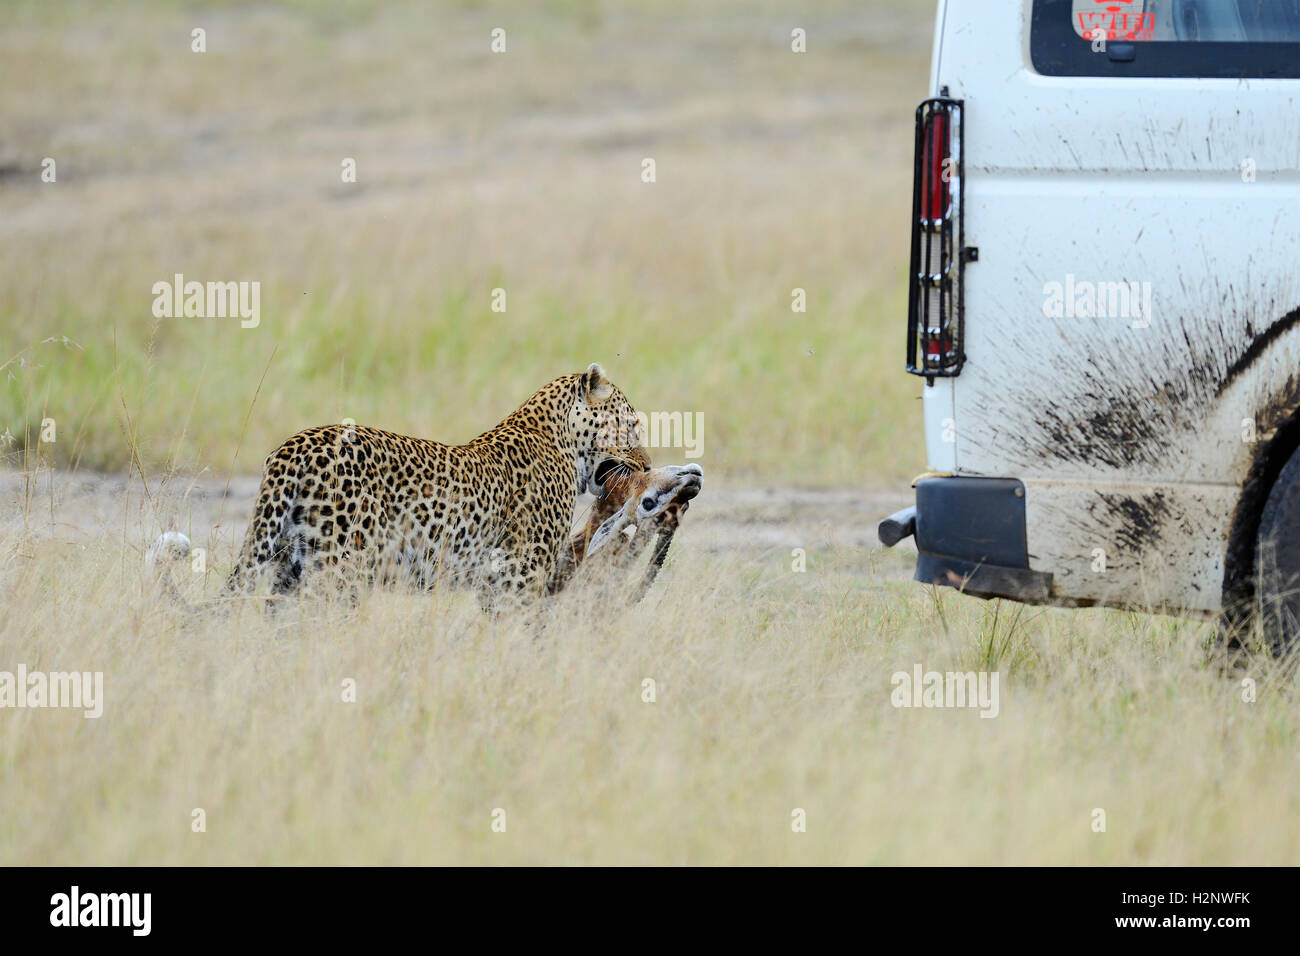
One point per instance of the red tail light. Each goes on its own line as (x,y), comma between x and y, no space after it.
(936,152)
(934,321)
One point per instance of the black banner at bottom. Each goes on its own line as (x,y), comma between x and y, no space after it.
(335,906)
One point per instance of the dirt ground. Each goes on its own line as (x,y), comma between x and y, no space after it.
(82,508)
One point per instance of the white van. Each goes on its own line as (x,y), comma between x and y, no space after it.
(1105,305)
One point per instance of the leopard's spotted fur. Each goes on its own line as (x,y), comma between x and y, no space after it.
(354,504)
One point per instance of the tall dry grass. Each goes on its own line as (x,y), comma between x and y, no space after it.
(772,692)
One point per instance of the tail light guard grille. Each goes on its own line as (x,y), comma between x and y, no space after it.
(935,308)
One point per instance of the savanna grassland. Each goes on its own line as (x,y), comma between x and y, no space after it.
(522,171)
(519,171)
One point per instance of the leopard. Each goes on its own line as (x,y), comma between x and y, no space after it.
(343,506)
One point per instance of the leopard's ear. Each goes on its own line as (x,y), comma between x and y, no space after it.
(608,528)
(596,388)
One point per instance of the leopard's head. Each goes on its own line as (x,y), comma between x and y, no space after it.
(604,426)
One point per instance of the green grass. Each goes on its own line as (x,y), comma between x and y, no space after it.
(521,171)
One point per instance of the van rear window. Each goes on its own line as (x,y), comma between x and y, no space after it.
(1211,38)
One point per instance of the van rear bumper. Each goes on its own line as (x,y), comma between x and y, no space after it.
(970,534)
